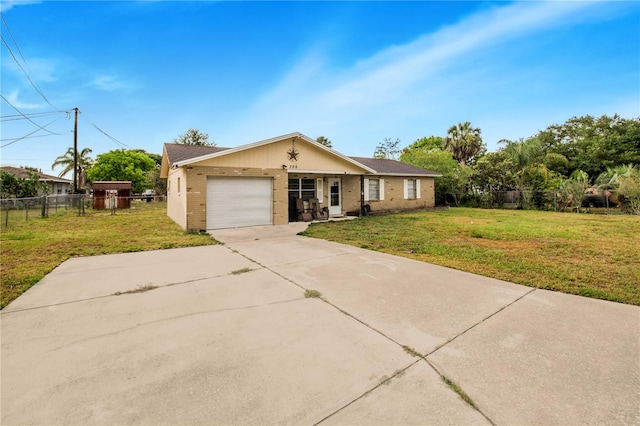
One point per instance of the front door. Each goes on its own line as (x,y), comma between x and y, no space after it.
(335,197)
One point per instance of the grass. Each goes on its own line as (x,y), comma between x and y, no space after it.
(31,249)
(312,294)
(241,271)
(458,390)
(590,255)
(139,289)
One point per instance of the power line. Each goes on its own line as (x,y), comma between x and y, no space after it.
(16,117)
(14,140)
(30,120)
(37,89)
(113,139)
(28,136)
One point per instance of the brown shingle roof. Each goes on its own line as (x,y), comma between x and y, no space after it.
(383,166)
(180,152)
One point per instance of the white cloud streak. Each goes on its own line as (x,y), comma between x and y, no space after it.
(6,5)
(13,98)
(109,83)
(400,80)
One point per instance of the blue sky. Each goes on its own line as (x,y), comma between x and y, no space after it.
(356,72)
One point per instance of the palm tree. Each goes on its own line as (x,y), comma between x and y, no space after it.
(67,160)
(523,152)
(463,141)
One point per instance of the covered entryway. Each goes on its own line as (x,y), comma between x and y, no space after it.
(236,202)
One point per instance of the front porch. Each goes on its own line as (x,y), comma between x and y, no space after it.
(323,196)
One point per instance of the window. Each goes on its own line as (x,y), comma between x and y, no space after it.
(178,185)
(374,189)
(302,188)
(411,189)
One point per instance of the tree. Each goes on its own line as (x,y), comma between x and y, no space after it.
(556,162)
(594,144)
(494,174)
(629,193)
(122,164)
(387,149)
(457,183)
(152,177)
(523,152)
(157,158)
(572,189)
(324,141)
(464,142)
(155,182)
(10,185)
(67,161)
(194,137)
(624,181)
(426,144)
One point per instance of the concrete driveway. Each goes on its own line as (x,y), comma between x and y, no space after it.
(224,335)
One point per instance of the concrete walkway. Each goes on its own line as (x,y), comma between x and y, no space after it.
(224,335)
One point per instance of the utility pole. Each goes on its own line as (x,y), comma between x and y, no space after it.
(75,153)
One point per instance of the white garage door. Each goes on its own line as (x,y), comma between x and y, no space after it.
(236,202)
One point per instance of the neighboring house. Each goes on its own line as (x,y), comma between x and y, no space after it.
(57,185)
(262,183)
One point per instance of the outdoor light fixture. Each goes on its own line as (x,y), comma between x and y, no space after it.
(284,167)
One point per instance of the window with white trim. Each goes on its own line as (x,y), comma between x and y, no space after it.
(411,189)
(373,189)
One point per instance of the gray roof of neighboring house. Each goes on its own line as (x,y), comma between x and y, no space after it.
(180,152)
(21,172)
(383,166)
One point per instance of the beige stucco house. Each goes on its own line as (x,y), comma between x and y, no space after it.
(268,182)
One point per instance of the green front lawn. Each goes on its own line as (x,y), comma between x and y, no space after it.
(590,255)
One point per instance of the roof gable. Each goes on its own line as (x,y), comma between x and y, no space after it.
(271,151)
(179,155)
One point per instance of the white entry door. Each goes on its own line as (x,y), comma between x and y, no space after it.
(335,197)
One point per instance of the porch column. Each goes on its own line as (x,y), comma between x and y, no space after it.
(362,212)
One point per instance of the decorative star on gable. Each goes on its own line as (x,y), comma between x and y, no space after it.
(293,154)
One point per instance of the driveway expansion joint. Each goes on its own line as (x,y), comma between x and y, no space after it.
(139,289)
(407,349)
(481,321)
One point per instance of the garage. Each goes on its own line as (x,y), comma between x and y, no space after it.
(236,202)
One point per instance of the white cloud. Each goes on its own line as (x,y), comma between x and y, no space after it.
(110,83)
(399,82)
(5,5)
(39,69)
(12,97)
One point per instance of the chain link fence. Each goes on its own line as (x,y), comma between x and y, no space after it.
(558,201)
(13,210)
